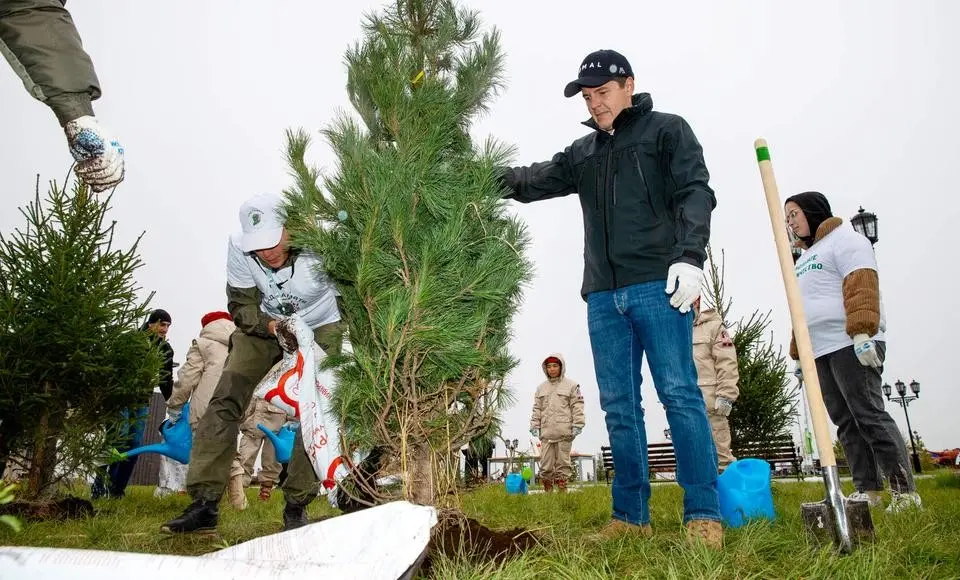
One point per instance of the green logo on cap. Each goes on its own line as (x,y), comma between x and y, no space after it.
(255,218)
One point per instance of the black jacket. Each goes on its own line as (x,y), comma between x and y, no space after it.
(644,193)
(166,371)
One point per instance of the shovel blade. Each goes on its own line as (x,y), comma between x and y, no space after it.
(821,524)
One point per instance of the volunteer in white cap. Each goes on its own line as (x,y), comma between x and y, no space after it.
(267,280)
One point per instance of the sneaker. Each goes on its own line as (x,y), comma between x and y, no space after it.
(265,492)
(200,516)
(235,493)
(873,498)
(547,485)
(616,529)
(561,486)
(900,502)
(710,532)
(294,516)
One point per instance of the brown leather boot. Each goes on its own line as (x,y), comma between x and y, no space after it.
(708,531)
(235,493)
(562,486)
(547,485)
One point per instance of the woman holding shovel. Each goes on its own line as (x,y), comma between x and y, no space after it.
(837,275)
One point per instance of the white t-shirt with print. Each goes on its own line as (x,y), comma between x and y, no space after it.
(303,287)
(820,272)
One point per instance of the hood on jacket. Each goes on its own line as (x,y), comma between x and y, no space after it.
(816,209)
(563,364)
(219,331)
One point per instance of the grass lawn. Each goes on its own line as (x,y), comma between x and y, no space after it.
(922,544)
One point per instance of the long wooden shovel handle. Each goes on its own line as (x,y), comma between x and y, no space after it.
(801,334)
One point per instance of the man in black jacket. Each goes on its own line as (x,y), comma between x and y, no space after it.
(646,202)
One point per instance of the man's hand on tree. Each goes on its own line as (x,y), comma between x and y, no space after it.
(98,154)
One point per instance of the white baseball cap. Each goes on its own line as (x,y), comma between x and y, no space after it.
(261,218)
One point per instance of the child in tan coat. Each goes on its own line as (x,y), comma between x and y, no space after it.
(557,419)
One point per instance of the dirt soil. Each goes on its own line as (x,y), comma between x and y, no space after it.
(66,508)
(459,537)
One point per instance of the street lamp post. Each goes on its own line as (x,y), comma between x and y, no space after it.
(904,401)
(512,450)
(865,223)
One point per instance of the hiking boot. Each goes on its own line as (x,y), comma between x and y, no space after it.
(200,516)
(294,516)
(710,532)
(873,498)
(235,493)
(266,490)
(901,502)
(547,485)
(562,486)
(616,529)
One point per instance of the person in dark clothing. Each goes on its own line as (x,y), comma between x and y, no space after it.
(112,480)
(646,201)
(157,326)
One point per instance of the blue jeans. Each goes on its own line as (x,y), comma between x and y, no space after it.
(624,324)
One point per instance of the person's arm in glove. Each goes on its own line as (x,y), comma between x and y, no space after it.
(188,378)
(726,365)
(41,42)
(692,201)
(535,418)
(861,302)
(576,406)
(723,406)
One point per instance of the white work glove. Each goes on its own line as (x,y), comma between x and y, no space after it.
(173,415)
(866,351)
(577,431)
(535,432)
(722,406)
(99,155)
(683,281)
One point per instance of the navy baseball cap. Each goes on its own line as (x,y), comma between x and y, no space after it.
(599,68)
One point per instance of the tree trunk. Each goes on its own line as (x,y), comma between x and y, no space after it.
(420,481)
(43,460)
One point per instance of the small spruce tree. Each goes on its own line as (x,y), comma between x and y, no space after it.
(71,357)
(767,405)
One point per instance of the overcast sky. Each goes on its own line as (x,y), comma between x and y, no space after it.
(857,100)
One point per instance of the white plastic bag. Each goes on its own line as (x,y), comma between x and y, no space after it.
(379,543)
(297,386)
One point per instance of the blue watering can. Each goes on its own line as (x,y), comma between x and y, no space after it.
(516,485)
(744,489)
(177,441)
(282,441)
